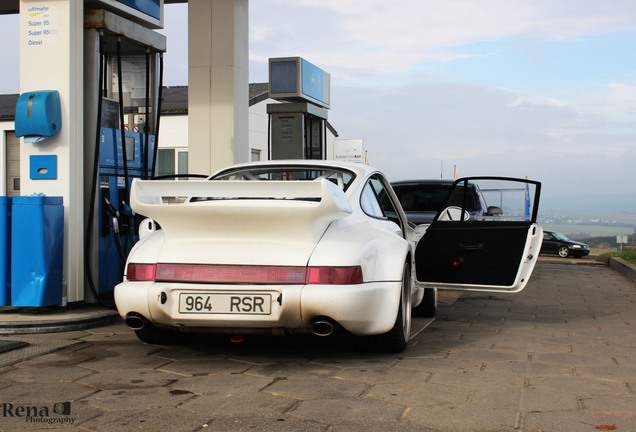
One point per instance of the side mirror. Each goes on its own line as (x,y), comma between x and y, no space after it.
(494,211)
(453,213)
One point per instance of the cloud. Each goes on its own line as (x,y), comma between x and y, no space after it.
(619,102)
(366,39)
(415,130)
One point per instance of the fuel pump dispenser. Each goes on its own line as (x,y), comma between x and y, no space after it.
(123,74)
(298,131)
(297,126)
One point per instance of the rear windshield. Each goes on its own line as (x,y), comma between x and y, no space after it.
(421,197)
(341,178)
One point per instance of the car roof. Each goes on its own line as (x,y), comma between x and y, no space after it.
(425,181)
(440,182)
(359,169)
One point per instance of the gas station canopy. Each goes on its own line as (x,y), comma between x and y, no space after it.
(13,6)
(10,7)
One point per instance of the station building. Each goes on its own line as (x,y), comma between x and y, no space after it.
(173,134)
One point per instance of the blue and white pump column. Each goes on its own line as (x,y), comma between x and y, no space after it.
(51,58)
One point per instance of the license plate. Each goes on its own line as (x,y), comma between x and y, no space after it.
(225,303)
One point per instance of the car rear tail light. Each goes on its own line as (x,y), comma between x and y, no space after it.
(211,273)
(141,272)
(230,274)
(334,275)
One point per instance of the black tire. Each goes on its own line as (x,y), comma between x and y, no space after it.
(158,336)
(396,339)
(428,307)
(563,251)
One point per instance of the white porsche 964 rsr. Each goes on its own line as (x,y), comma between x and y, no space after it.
(311,246)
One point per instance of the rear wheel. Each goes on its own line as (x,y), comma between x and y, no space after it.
(159,336)
(428,307)
(564,251)
(396,339)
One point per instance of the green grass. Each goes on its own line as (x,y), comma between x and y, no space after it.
(627,256)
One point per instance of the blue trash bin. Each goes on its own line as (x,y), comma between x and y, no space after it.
(5,251)
(37,233)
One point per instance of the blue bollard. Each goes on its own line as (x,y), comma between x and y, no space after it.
(37,233)
(5,251)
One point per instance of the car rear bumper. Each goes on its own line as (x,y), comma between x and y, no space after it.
(362,309)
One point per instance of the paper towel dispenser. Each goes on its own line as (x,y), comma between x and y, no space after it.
(38,115)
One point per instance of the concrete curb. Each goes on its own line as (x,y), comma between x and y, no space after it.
(80,319)
(624,267)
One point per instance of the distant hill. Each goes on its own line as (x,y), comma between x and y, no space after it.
(594,203)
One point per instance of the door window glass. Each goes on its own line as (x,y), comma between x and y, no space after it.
(384,199)
(369,202)
(376,201)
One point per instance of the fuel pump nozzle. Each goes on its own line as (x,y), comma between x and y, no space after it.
(110,209)
(128,214)
(114,215)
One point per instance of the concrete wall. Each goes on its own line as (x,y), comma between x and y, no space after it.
(173,131)
(624,267)
(258,122)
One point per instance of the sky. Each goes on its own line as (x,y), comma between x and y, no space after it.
(544,89)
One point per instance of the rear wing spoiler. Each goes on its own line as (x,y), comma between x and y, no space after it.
(240,209)
(145,193)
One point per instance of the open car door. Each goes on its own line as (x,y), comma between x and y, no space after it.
(484,238)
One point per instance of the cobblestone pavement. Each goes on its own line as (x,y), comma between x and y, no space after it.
(560,356)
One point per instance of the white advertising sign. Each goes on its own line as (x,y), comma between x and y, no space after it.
(348,150)
(41,24)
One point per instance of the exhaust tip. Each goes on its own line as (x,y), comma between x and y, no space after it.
(323,327)
(135,321)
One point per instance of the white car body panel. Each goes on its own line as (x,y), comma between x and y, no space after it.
(267,230)
(379,255)
(362,309)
